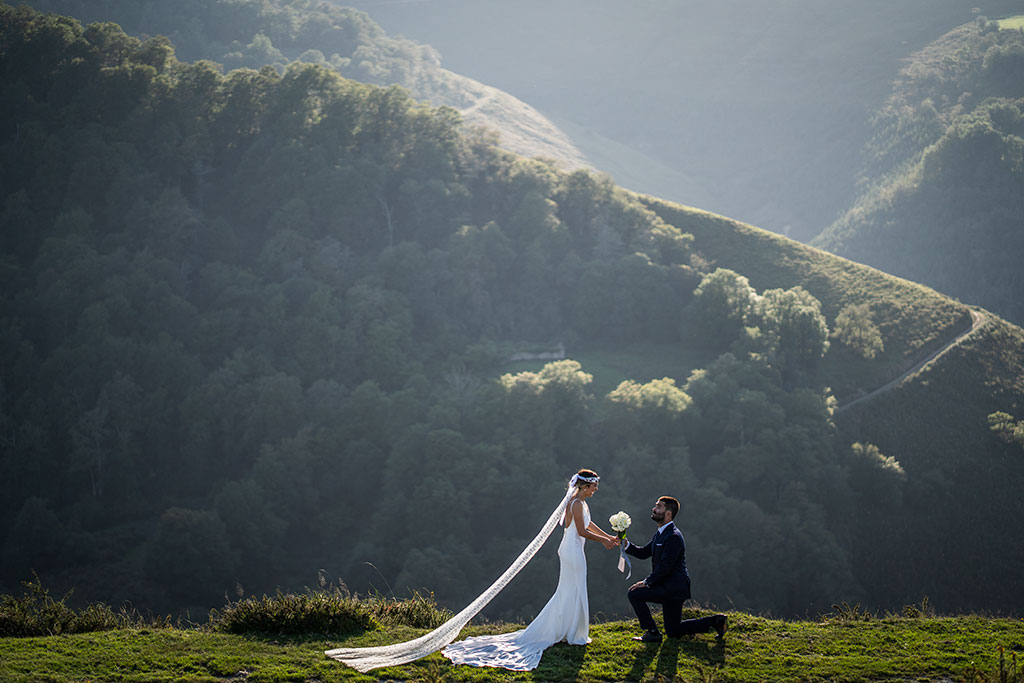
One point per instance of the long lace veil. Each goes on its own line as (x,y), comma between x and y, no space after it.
(367,658)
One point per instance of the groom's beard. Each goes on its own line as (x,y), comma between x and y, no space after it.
(660,519)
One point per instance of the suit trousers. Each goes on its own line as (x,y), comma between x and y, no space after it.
(672,608)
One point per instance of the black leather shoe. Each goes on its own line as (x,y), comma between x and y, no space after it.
(720,622)
(649,637)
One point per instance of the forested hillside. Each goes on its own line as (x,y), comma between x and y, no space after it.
(945,198)
(257,33)
(258,324)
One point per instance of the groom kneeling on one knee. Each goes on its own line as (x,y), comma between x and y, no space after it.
(668,583)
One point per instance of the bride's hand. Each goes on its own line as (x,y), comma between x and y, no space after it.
(608,544)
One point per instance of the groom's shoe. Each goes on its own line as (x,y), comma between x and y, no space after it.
(720,622)
(652,636)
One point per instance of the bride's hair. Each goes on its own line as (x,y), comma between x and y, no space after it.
(584,475)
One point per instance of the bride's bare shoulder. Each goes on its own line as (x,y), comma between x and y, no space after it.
(570,510)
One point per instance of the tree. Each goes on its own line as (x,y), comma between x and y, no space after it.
(721,303)
(547,409)
(34,541)
(652,412)
(877,478)
(254,530)
(793,333)
(190,556)
(855,329)
(90,447)
(1007,428)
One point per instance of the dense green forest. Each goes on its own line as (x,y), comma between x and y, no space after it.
(256,33)
(258,323)
(944,173)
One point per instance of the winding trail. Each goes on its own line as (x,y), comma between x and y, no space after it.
(480,102)
(978,318)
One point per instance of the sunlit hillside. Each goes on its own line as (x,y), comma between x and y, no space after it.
(754,110)
(945,202)
(254,33)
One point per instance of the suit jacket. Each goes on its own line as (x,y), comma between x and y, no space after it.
(668,552)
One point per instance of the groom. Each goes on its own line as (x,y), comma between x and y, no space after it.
(668,583)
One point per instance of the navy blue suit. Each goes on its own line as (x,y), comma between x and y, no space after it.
(668,584)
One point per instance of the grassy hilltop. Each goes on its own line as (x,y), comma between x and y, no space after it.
(755,649)
(844,645)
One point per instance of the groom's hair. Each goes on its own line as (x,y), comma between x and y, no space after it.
(671,504)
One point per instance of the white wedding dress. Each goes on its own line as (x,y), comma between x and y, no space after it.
(566,617)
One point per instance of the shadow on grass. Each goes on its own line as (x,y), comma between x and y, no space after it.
(642,661)
(669,651)
(561,662)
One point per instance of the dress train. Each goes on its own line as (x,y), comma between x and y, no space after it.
(565,617)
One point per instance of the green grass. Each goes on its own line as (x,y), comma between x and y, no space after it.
(754,649)
(1016,22)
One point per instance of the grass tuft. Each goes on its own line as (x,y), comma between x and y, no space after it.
(918,611)
(331,611)
(844,611)
(36,613)
(1003,673)
(418,611)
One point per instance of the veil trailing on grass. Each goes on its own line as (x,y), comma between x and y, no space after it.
(367,658)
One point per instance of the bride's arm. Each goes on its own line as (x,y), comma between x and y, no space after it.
(584,531)
(598,530)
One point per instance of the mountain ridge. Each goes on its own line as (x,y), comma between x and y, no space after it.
(944,206)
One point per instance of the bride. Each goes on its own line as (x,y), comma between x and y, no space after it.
(566,616)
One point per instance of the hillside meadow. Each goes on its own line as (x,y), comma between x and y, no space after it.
(970,648)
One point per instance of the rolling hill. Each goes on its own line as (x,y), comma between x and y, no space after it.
(934,422)
(253,34)
(253,320)
(759,110)
(945,203)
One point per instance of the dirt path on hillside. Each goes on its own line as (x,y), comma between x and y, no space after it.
(977,319)
(481,102)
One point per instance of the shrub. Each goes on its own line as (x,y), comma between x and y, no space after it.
(1007,427)
(331,611)
(328,610)
(35,613)
(419,611)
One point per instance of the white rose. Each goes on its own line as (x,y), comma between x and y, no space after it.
(620,521)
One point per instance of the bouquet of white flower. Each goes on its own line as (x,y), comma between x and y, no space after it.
(620,521)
